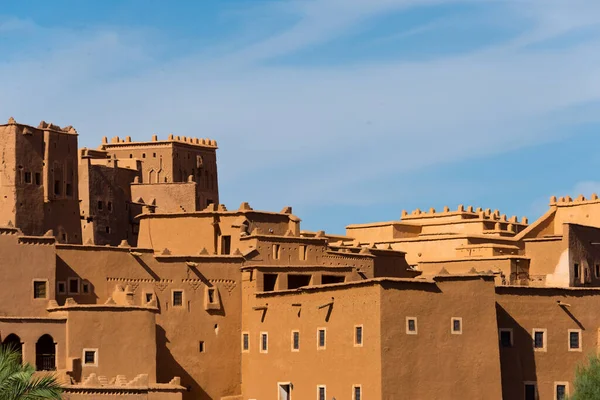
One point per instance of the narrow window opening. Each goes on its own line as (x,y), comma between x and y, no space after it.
(357,393)
(302,251)
(269,281)
(27,177)
(211,296)
(329,279)
(177,298)
(505,338)
(561,392)
(576,271)
(276,251)
(296,281)
(38,178)
(61,288)
(321,338)
(201,346)
(69,189)
(245,342)
(100,205)
(358,335)
(57,188)
(225,244)
(411,325)
(295,340)
(149,297)
(264,342)
(574,340)
(85,287)
(530,391)
(321,393)
(109,206)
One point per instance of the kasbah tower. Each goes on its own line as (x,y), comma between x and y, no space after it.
(124,275)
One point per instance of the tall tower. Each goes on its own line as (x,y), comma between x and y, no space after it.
(38,180)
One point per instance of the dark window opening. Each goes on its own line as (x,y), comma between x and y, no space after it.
(264,342)
(296,281)
(85,287)
(412,325)
(574,340)
(64,237)
(321,337)
(597,270)
(245,341)
(357,393)
(38,178)
(143,155)
(89,357)
(201,346)
(69,189)
(57,188)
(456,325)
(530,392)
(27,177)
(62,288)
(296,340)
(45,354)
(178,298)
(358,335)
(269,281)
(328,279)
(149,297)
(225,244)
(538,340)
(561,392)
(131,156)
(209,202)
(109,206)
(506,338)
(73,285)
(13,342)
(107,229)
(211,296)
(576,271)
(321,393)
(100,205)
(39,289)
(154,155)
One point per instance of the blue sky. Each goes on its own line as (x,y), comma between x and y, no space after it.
(348,110)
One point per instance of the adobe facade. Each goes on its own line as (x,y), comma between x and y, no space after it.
(125,276)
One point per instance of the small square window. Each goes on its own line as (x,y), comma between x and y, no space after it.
(295,340)
(61,287)
(456,326)
(411,325)
(148,297)
(575,340)
(201,346)
(264,342)
(358,335)
(321,392)
(73,285)
(321,338)
(177,298)
(85,287)
(356,392)
(506,337)
(539,339)
(90,357)
(560,390)
(27,177)
(245,341)
(40,289)
(531,391)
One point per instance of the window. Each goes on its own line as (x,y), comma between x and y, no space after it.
(296,281)
(269,281)
(39,289)
(38,178)
(154,155)
(295,340)
(321,337)
(85,287)
(264,342)
(69,189)
(302,254)
(109,206)
(143,155)
(211,295)
(329,279)
(225,244)
(560,390)
(576,271)
(575,340)
(201,346)
(245,341)
(148,297)
(530,391)
(73,285)
(107,229)
(456,326)
(358,335)
(177,298)
(411,325)
(356,392)
(27,177)
(90,357)
(100,205)
(57,188)
(597,270)
(506,337)
(539,339)
(61,287)
(276,251)
(321,395)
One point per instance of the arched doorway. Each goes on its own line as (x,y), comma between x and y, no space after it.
(45,354)
(14,342)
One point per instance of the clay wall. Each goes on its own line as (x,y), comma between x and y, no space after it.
(305,369)
(522,310)
(167,197)
(434,363)
(209,374)
(508,270)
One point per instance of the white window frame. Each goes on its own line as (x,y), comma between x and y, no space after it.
(248,349)
(69,280)
(534,385)
(452,331)
(512,336)
(580,349)
(182,298)
(47,289)
(545,332)
(58,291)
(416,331)
(353,391)
(362,335)
(556,384)
(319,347)
(83,363)
(260,342)
(318,389)
(292,341)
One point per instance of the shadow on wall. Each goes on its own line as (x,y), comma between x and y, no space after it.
(517,360)
(63,273)
(167,367)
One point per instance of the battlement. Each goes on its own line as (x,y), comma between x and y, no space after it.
(46,126)
(567,201)
(464,213)
(201,142)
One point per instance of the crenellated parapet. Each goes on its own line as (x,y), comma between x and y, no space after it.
(468,212)
(568,201)
(46,126)
(204,142)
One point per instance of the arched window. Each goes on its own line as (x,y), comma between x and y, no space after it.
(14,342)
(45,354)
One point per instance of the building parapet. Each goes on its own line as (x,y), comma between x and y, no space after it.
(123,142)
(95,384)
(567,201)
(469,211)
(46,126)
